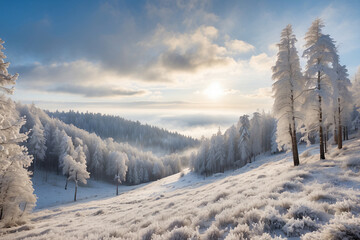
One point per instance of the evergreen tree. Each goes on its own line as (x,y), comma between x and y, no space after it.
(36,144)
(231,147)
(255,134)
(286,88)
(77,167)
(320,56)
(117,167)
(356,88)
(244,140)
(341,98)
(219,152)
(16,191)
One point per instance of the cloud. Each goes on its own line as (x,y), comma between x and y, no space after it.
(238,46)
(189,52)
(261,93)
(262,62)
(91,91)
(78,77)
(62,72)
(195,120)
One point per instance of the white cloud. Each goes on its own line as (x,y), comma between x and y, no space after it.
(238,46)
(262,62)
(78,77)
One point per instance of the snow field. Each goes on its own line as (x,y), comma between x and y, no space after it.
(267,199)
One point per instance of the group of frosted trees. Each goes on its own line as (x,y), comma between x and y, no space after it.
(238,146)
(316,102)
(75,153)
(317,105)
(16,191)
(122,130)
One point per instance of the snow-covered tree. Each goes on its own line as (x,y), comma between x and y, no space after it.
(320,54)
(211,164)
(97,160)
(341,98)
(78,172)
(117,167)
(220,156)
(256,134)
(287,87)
(274,144)
(66,160)
(16,191)
(356,88)
(201,160)
(231,146)
(244,140)
(37,143)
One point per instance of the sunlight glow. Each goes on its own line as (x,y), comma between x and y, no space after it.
(214,91)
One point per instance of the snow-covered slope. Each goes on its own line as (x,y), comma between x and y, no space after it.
(51,192)
(266,199)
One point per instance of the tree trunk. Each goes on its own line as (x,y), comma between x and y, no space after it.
(344,133)
(117,183)
(76,185)
(294,149)
(339,127)
(335,129)
(322,150)
(347,133)
(117,187)
(66,183)
(325,142)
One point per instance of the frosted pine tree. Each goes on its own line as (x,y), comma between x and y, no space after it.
(202,157)
(274,144)
(286,88)
(117,167)
(67,155)
(78,172)
(211,164)
(255,134)
(320,57)
(97,160)
(231,146)
(36,144)
(356,88)
(16,191)
(220,157)
(341,98)
(244,140)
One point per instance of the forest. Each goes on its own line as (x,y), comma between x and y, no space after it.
(317,105)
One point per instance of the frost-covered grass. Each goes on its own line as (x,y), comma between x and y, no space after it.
(320,199)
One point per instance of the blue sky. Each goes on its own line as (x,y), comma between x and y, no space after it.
(161,62)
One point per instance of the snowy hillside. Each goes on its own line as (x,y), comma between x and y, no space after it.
(266,199)
(51,193)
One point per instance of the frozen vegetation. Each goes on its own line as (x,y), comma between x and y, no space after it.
(265,199)
(57,144)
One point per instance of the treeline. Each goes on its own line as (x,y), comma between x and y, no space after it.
(57,146)
(238,146)
(319,105)
(318,102)
(122,130)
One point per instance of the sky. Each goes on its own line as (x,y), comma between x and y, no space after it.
(186,65)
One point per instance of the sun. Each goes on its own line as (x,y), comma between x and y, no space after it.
(214,91)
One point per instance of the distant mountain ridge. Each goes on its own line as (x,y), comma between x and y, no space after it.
(121,130)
